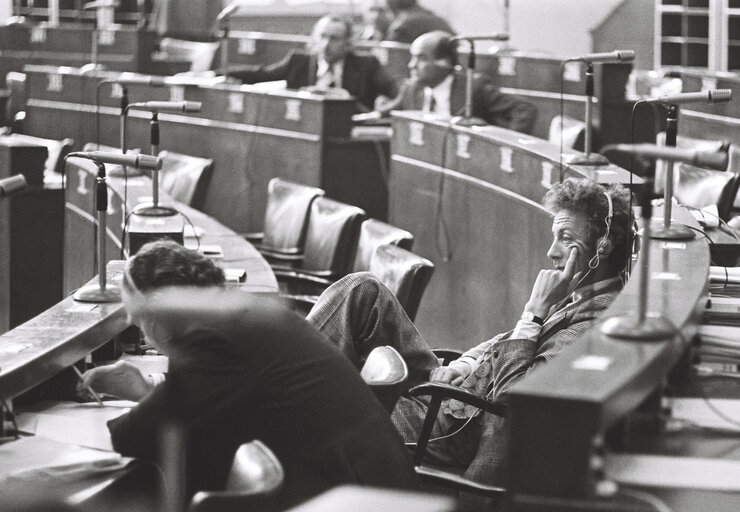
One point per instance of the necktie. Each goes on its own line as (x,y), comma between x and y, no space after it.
(326,80)
(429,103)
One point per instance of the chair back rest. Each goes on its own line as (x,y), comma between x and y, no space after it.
(286,215)
(255,469)
(572,132)
(386,373)
(404,273)
(374,233)
(199,54)
(16,84)
(57,150)
(331,235)
(184,178)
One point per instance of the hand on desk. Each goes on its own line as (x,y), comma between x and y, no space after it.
(121,379)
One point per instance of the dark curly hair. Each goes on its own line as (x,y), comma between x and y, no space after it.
(587,198)
(166,263)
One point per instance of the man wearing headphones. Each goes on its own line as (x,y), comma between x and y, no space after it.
(435,86)
(590,247)
(331,64)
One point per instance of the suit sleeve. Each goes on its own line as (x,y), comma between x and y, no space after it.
(505,110)
(383,82)
(250,74)
(399,101)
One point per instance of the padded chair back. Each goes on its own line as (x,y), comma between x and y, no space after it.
(199,54)
(16,84)
(256,474)
(386,373)
(57,150)
(374,233)
(286,215)
(183,177)
(404,273)
(331,236)
(573,132)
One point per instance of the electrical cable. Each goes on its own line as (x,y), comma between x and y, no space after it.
(12,417)
(440,224)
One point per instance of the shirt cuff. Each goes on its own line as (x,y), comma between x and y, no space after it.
(526,330)
(156,378)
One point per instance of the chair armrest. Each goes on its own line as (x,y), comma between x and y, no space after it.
(439,391)
(301,304)
(296,275)
(231,501)
(447,355)
(254,238)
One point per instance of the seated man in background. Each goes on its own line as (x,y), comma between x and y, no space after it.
(243,367)
(435,86)
(588,252)
(331,63)
(410,20)
(375,21)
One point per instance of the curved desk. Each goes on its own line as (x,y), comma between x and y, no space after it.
(472,197)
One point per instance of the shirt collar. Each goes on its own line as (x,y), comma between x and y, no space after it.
(592,289)
(443,88)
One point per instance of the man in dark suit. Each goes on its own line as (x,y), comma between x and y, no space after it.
(243,367)
(591,235)
(330,65)
(435,86)
(410,20)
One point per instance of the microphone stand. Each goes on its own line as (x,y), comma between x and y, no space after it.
(589,158)
(668,231)
(467,118)
(102,292)
(125,171)
(224,47)
(640,325)
(154,209)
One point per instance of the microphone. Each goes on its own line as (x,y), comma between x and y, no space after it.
(712,96)
(148,162)
(12,185)
(154,81)
(613,56)
(716,160)
(492,37)
(167,106)
(227,12)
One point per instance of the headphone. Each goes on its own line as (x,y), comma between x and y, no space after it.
(602,242)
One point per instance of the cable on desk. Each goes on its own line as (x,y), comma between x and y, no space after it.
(652,500)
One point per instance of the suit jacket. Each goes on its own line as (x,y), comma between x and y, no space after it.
(262,372)
(414,22)
(363,75)
(513,359)
(489,104)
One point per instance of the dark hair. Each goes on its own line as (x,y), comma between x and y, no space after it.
(587,198)
(166,263)
(444,47)
(400,5)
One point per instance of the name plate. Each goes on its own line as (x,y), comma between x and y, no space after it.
(55,82)
(106,37)
(116,91)
(236,103)
(246,46)
(416,133)
(177,93)
(463,143)
(293,110)
(38,34)
(547,169)
(382,55)
(507,66)
(572,71)
(708,84)
(82,182)
(506,154)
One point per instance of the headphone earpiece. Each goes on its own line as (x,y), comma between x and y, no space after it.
(603,242)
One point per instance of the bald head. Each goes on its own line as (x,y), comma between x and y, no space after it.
(433,57)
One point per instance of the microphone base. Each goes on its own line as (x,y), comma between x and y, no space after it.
(149,210)
(91,68)
(467,121)
(628,327)
(94,293)
(672,232)
(590,159)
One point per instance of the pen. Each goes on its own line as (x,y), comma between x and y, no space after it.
(91,390)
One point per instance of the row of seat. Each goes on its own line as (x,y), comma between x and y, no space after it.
(311,241)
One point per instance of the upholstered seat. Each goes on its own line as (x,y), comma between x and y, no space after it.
(374,233)
(404,273)
(386,373)
(57,150)
(15,107)
(184,178)
(255,478)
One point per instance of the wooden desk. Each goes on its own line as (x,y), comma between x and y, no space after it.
(475,195)
(252,137)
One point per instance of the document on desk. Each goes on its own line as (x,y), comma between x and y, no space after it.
(36,456)
(83,424)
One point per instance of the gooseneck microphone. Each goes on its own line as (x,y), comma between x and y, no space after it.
(716,160)
(154,81)
(167,106)
(12,185)
(613,56)
(711,97)
(136,161)
(492,37)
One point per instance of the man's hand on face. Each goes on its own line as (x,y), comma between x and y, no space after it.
(121,379)
(551,286)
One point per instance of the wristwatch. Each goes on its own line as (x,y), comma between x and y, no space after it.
(528,316)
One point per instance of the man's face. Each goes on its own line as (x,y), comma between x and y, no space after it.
(423,66)
(331,40)
(570,229)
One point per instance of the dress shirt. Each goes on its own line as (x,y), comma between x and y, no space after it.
(334,79)
(441,94)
